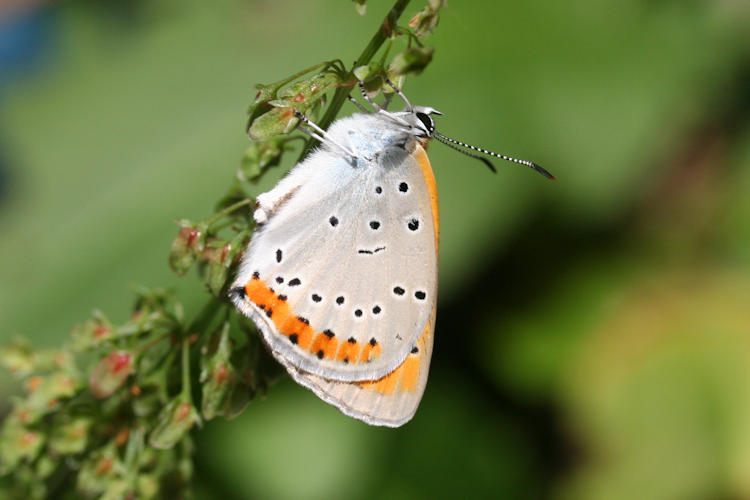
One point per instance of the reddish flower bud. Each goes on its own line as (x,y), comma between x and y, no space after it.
(173,422)
(110,373)
(188,243)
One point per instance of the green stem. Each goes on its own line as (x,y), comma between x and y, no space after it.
(226,211)
(186,393)
(339,97)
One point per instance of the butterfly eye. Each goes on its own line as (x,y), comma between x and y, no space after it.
(429,125)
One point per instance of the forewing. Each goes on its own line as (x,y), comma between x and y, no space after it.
(342,278)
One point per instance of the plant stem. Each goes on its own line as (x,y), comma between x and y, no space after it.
(186,393)
(227,210)
(384,31)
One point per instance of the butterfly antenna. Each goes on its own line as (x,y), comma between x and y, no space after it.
(454,143)
(480,158)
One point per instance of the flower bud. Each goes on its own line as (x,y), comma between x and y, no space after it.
(412,60)
(173,422)
(360,6)
(258,157)
(98,471)
(426,20)
(224,391)
(301,96)
(71,437)
(91,333)
(17,357)
(186,246)
(275,122)
(17,444)
(111,373)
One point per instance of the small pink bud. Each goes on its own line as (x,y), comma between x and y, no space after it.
(110,373)
(28,439)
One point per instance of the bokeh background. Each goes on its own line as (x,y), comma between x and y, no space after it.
(593,334)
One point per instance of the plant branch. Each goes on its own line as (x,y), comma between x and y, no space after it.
(339,97)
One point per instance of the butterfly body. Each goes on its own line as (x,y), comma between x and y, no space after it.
(341,273)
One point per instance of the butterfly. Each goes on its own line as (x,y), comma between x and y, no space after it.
(340,276)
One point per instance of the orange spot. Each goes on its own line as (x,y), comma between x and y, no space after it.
(299,97)
(330,351)
(365,355)
(410,372)
(305,335)
(325,344)
(135,390)
(348,351)
(406,375)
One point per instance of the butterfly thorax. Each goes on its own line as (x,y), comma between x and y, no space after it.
(378,139)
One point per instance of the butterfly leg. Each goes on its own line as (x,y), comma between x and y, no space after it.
(356,103)
(321,135)
(380,110)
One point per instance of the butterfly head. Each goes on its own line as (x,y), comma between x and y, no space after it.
(423,126)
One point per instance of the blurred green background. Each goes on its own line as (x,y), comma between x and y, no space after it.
(593,334)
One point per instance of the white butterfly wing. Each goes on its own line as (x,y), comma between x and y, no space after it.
(342,278)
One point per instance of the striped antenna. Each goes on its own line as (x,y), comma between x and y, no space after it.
(454,143)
